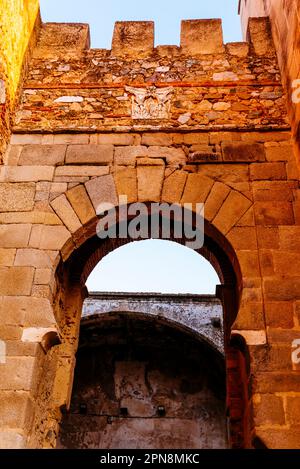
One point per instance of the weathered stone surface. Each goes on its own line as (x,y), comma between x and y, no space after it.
(268,171)
(12,440)
(16,197)
(268,409)
(16,280)
(231,211)
(173,187)
(23,378)
(48,237)
(171,155)
(39,155)
(157,139)
(7,256)
(128,155)
(216,197)
(64,210)
(150,192)
(243,152)
(15,409)
(81,171)
(133,38)
(274,213)
(81,203)
(196,189)
(27,173)
(126,182)
(201,37)
(280,288)
(101,154)
(261,36)
(102,190)
(32,257)
(14,236)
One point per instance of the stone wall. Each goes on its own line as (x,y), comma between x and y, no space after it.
(201,85)
(18,19)
(207,127)
(285,24)
(135,388)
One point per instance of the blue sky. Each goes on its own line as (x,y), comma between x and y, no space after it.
(151,265)
(167,14)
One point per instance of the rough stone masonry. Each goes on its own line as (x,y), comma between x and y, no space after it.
(202,122)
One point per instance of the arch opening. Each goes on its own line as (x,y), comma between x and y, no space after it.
(73,273)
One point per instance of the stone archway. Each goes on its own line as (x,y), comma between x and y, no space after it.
(141,382)
(70,279)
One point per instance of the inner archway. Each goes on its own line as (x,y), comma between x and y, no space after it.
(75,271)
(145,384)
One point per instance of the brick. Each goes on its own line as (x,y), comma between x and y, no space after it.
(247,219)
(116,139)
(126,183)
(71,139)
(23,377)
(173,187)
(27,173)
(133,38)
(279,152)
(158,139)
(16,197)
(150,192)
(266,263)
(228,174)
(81,203)
(100,154)
(43,277)
(286,263)
(7,256)
(250,316)
(196,189)
(128,155)
(26,139)
(274,213)
(10,332)
(14,236)
(282,289)
(293,409)
(280,438)
(279,314)
(271,382)
(12,155)
(268,409)
(201,37)
(49,237)
(215,199)
(289,238)
(231,211)
(243,238)
(16,409)
(242,151)
(269,171)
(32,257)
(82,171)
(102,190)
(16,280)
(267,237)
(171,155)
(42,155)
(64,210)
(249,263)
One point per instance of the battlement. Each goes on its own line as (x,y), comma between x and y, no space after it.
(136,39)
(201,83)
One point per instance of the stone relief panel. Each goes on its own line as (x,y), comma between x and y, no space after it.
(150,103)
